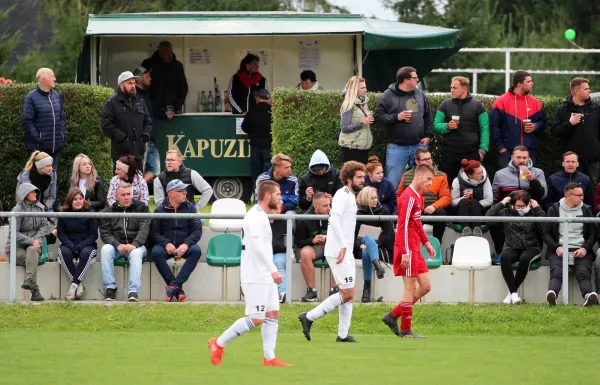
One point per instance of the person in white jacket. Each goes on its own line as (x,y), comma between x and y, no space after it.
(471,193)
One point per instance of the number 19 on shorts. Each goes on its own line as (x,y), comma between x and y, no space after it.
(348,280)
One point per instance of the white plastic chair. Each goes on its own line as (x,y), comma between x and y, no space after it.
(471,253)
(227,206)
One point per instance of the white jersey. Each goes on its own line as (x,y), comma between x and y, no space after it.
(257,265)
(342,223)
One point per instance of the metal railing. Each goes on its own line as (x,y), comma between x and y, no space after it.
(290,219)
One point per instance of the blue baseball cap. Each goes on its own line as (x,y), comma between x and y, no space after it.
(176,184)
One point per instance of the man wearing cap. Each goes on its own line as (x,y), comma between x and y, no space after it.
(176,238)
(151,157)
(126,121)
(257,124)
(169,85)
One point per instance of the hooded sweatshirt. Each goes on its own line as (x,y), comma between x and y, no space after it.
(580,234)
(482,190)
(508,180)
(48,195)
(29,229)
(582,138)
(392,102)
(315,87)
(328,183)
(576,239)
(506,122)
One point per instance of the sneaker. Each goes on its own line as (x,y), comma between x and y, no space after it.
(29,284)
(282,297)
(132,297)
(467,232)
(477,231)
(515,299)
(36,295)
(590,299)
(508,299)
(216,352)
(551,297)
(110,294)
(334,290)
(348,338)
(275,362)
(495,259)
(181,296)
(71,292)
(170,293)
(391,323)
(80,291)
(306,325)
(410,334)
(311,296)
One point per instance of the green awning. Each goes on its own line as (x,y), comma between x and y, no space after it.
(378,34)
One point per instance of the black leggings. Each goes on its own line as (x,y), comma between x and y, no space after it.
(353,154)
(525,257)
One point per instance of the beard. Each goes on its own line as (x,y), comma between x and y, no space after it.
(274,204)
(356,188)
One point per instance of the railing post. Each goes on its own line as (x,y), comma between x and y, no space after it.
(13,260)
(289,250)
(506,70)
(565,263)
(475,82)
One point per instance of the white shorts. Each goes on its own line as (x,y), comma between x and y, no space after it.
(344,273)
(260,298)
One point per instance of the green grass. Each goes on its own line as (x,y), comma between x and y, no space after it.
(166,344)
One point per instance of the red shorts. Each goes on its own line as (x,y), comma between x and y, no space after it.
(416,266)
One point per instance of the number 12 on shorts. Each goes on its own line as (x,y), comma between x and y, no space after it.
(260,308)
(348,280)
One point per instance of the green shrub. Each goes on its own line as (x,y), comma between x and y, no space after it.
(306,121)
(82,104)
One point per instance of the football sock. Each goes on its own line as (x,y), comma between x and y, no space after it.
(406,316)
(397,311)
(325,307)
(239,327)
(269,336)
(345,319)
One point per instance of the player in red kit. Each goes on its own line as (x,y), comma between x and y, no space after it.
(408,261)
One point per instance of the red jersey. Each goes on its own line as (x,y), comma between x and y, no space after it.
(410,233)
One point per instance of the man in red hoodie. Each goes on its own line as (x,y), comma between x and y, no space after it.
(517,119)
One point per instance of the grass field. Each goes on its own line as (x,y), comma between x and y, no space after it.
(166,344)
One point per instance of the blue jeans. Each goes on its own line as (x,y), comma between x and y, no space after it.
(260,161)
(160,256)
(279,260)
(151,159)
(396,159)
(135,257)
(370,254)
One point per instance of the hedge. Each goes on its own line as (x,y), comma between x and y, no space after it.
(82,104)
(306,121)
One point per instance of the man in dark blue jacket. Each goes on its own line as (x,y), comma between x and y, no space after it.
(151,157)
(281,172)
(44,118)
(558,181)
(176,238)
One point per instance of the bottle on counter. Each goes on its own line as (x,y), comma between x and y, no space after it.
(218,105)
(226,99)
(210,102)
(201,102)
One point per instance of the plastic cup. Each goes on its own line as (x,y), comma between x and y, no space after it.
(522,172)
(322,243)
(526,121)
(468,191)
(409,116)
(456,118)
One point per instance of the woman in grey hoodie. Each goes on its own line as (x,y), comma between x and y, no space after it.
(30,232)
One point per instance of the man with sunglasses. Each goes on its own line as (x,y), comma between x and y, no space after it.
(405,111)
(582,237)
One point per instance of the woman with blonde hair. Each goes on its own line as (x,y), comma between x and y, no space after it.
(86,178)
(355,137)
(38,171)
(77,241)
(368,247)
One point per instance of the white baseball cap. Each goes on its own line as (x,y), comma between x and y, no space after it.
(126,76)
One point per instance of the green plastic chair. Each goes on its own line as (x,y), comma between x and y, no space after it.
(44,256)
(532,267)
(437,261)
(121,261)
(224,250)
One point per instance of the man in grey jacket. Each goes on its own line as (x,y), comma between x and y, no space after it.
(582,237)
(30,232)
(124,238)
(405,111)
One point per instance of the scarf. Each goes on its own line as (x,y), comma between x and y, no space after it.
(40,181)
(249,80)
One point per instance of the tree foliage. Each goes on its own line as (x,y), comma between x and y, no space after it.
(7,42)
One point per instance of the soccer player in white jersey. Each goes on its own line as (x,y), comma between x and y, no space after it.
(338,251)
(259,279)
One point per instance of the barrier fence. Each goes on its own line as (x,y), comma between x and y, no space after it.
(290,219)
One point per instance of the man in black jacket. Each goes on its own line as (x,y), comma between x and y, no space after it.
(124,238)
(577,122)
(169,85)
(321,177)
(582,237)
(310,237)
(257,124)
(126,121)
